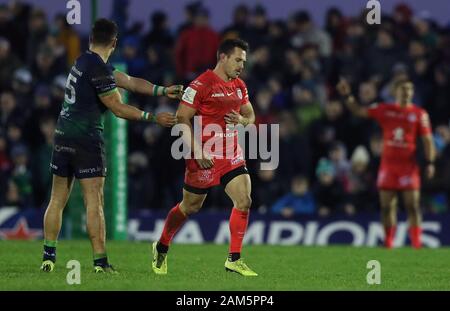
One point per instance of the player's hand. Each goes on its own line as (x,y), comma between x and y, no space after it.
(287,212)
(234,118)
(166,119)
(175,91)
(324,211)
(206,162)
(343,87)
(430,170)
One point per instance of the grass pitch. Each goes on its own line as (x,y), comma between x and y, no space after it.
(200,267)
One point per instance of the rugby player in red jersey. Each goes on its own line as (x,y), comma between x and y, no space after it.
(218,97)
(402,123)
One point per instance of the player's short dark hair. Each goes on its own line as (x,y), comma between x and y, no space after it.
(227,46)
(104,32)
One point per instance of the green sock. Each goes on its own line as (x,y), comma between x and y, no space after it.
(49,250)
(100,260)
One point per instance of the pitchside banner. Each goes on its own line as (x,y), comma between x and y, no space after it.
(212,227)
(361,230)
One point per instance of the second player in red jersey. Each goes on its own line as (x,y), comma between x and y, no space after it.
(401,126)
(402,123)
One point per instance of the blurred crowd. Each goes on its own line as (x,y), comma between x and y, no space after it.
(328,159)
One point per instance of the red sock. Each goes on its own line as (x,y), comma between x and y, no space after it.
(238,226)
(175,219)
(389,234)
(415,235)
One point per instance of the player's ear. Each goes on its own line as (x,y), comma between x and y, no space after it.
(114,44)
(222,57)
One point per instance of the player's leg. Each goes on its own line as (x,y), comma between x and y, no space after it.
(92,189)
(238,188)
(192,202)
(411,200)
(388,203)
(61,188)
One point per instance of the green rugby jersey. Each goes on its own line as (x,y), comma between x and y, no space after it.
(82,113)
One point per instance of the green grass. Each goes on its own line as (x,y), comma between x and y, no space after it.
(200,267)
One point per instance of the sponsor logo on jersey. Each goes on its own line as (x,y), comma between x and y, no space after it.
(197,83)
(205,176)
(218,95)
(425,120)
(239,93)
(412,118)
(399,134)
(59,148)
(189,95)
(237,160)
(405,180)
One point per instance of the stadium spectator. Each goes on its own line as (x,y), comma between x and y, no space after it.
(45,68)
(196,47)
(259,28)
(5,167)
(42,155)
(160,34)
(38,29)
(300,200)
(361,183)
(382,56)
(22,86)
(330,127)
(9,112)
(338,157)
(8,63)
(21,175)
(307,33)
(190,10)
(67,37)
(267,189)
(328,192)
(336,27)
(294,155)
(240,27)
(131,57)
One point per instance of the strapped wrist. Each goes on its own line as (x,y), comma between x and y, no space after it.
(155,89)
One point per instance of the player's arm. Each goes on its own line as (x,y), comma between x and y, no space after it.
(142,86)
(184,116)
(344,89)
(245,116)
(113,101)
(430,154)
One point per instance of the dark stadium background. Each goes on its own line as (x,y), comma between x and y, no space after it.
(290,77)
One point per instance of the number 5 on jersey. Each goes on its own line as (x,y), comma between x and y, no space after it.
(70,96)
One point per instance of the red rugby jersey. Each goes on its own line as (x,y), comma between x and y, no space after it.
(213,98)
(401,128)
